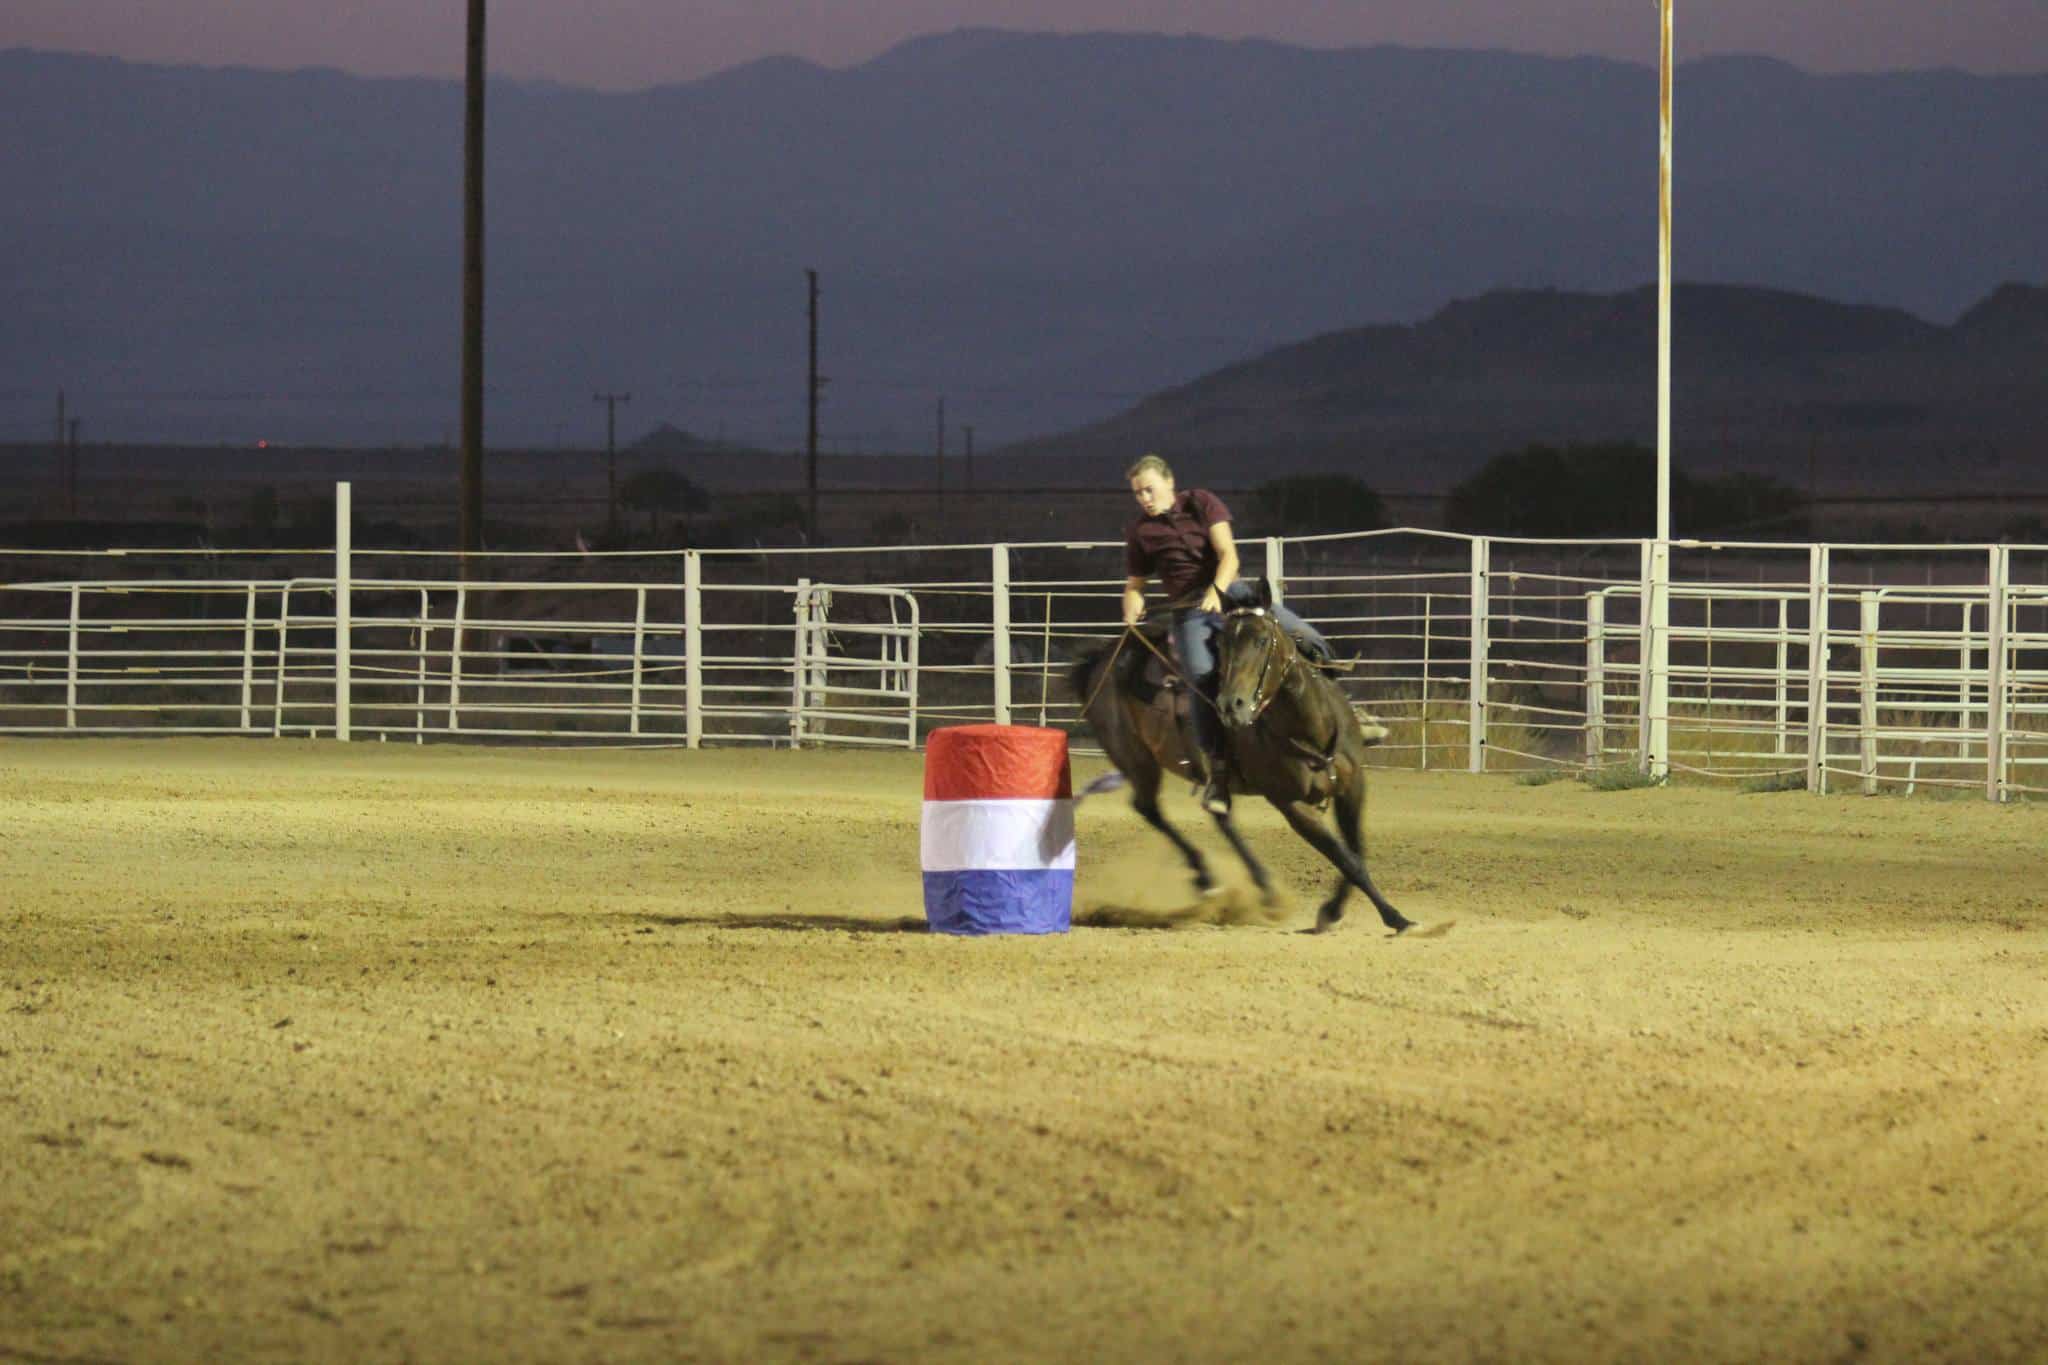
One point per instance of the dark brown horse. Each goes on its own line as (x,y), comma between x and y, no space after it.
(1293,739)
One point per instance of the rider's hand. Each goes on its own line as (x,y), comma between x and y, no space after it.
(1212,600)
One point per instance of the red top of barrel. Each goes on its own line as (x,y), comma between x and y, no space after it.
(997,763)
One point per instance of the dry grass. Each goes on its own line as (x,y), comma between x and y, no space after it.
(1435,734)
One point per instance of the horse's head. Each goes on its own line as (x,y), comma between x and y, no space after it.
(1257,657)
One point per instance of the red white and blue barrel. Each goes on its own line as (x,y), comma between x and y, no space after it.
(998,830)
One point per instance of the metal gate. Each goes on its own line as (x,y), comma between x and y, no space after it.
(856,673)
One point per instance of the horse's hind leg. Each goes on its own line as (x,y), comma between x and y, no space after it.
(1342,857)
(1332,910)
(1145,800)
(1252,865)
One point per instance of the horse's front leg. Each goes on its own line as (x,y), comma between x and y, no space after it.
(1309,825)
(1252,864)
(1349,809)
(1145,800)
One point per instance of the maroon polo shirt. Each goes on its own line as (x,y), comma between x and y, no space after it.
(1174,546)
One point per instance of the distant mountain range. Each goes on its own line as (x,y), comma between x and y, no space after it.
(1039,229)
(1763,381)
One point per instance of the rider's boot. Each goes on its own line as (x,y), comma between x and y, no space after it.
(1215,793)
(1317,651)
(1211,757)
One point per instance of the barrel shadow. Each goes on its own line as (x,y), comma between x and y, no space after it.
(794,923)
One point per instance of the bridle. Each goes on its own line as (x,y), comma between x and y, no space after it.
(1270,683)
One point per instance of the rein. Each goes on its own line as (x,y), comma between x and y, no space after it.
(1108,668)
(1261,698)
(1173,667)
(1170,664)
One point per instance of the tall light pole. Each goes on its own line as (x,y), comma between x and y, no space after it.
(472,517)
(1656,738)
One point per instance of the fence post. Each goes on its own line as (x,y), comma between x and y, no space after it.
(1866,719)
(1276,569)
(248,655)
(1963,689)
(1778,674)
(1045,662)
(639,643)
(910,666)
(1422,728)
(344,607)
(1475,718)
(1998,611)
(1596,678)
(1643,633)
(71,666)
(1655,739)
(693,650)
(284,645)
(799,660)
(1817,669)
(999,612)
(454,658)
(422,637)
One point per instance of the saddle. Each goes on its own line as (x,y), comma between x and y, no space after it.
(1142,674)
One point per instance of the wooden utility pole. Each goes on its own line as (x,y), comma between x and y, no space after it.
(71,483)
(940,447)
(811,426)
(611,403)
(60,446)
(473,290)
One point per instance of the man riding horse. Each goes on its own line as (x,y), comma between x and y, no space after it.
(1185,541)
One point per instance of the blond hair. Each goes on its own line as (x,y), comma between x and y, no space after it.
(1149,464)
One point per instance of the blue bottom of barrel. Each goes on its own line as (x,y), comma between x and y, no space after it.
(999,902)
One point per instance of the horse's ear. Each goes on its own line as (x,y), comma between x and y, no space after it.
(1265,591)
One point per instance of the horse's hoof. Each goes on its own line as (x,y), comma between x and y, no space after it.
(1327,920)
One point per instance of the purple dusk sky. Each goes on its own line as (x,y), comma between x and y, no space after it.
(627,44)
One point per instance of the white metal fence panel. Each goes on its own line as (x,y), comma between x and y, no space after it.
(1866,668)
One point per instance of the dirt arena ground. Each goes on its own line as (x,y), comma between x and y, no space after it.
(385,1053)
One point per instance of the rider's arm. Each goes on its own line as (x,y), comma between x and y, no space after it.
(1226,566)
(1134,599)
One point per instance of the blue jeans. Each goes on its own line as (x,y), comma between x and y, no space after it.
(1194,644)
